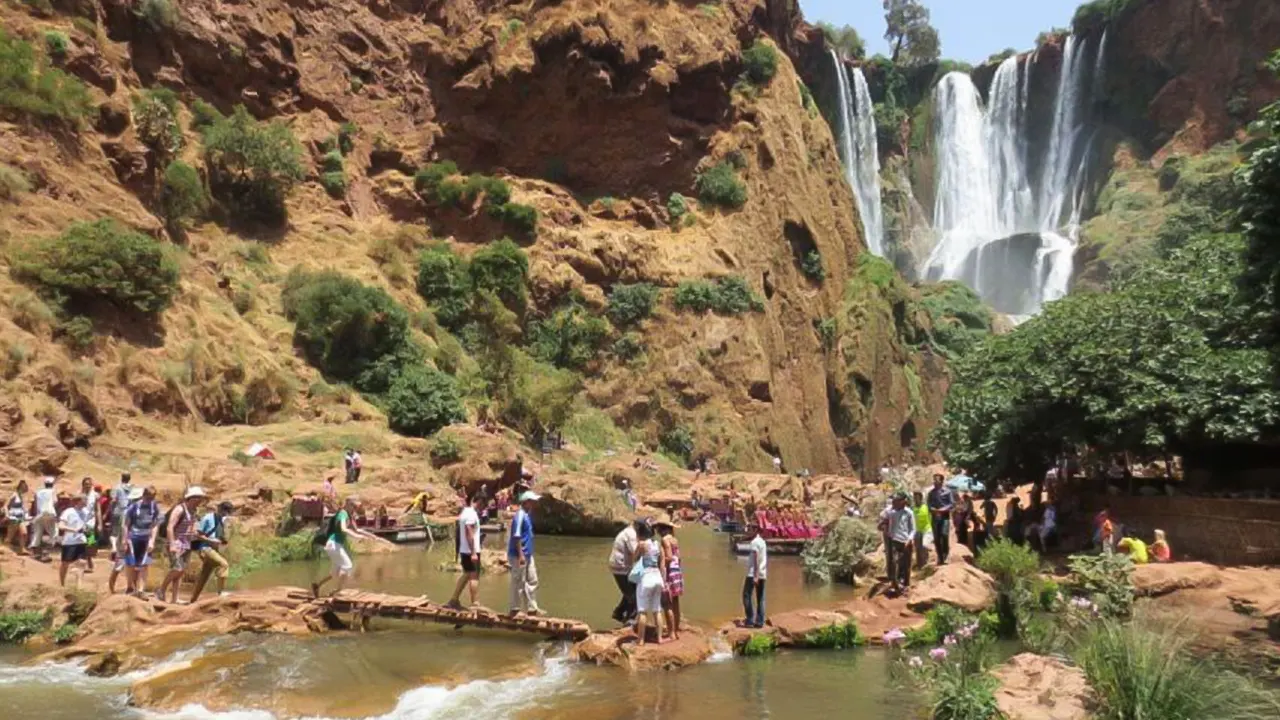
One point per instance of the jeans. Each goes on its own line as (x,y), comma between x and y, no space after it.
(898,560)
(625,610)
(753,618)
(942,538)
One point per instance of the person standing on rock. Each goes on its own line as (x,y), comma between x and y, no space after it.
(924,526)
(620,560)
(524,573)
(15,513)
(652,582)
(179,524)
(757,573)
(469,551)
(93,519)
(211,536)
(357,464)
(75,543)
(666,528)
(899,525)
(941,502)
(44,527)
(141,526)
(119,503)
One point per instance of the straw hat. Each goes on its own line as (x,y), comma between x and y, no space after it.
(136,493)
(195,491)
(665,519)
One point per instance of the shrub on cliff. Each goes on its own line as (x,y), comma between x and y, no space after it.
(521,219)
(760,61)
(501,268)
(719,185)
(204,115)
(422,400)
(569,338)
(444,283)
(252,165)
(155,118)
(182,195)
(1097,13)
(811,267)
(429,177)
(345,328)
(960,319)
(677,442)
(99,262)
(629,304)
(729,295)
(31,89)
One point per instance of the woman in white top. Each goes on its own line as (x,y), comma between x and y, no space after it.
(652,582)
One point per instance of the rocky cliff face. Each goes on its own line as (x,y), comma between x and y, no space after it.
(593,112)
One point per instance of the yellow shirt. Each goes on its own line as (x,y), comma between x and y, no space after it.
(924,523)
(1137,550)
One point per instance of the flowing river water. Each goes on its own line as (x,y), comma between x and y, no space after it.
(408,671)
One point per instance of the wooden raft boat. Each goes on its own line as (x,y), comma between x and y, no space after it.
(740,544)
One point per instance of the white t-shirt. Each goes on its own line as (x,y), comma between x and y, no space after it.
(74,522)
(91,509)
(777,463)
(758,569)
(624,550)
(467,519)
(46,499)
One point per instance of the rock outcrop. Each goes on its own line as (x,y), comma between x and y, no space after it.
(619,648)
(1035,687)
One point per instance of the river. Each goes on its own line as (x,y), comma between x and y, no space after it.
(408,671)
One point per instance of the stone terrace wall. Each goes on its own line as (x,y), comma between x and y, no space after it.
(1216,530)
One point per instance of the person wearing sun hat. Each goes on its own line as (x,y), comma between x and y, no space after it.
(524,573)
(179,523)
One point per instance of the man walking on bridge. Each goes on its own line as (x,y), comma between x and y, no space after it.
(469,550)
(524,574)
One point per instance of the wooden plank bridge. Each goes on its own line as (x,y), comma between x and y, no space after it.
(362,606)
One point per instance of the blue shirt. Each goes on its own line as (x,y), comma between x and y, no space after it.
(521,532)
(208,527)
(142,516)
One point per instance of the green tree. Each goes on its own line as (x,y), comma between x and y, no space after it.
(913,39)
(155,118)
(350,331)
(1259,180)
(182,195)
(101,262)
(421,400)
(444,283)
(501,268)
(845,39)
(252,165)
(569,338)
(629,304)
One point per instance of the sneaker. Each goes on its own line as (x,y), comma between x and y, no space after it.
(454,605)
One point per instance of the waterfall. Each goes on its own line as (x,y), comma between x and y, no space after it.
(859,150)
(1008,235)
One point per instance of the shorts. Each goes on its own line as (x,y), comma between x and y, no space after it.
(649,593)
(136,554)
(178,560)
(72,553)
(469,565)
(339,560)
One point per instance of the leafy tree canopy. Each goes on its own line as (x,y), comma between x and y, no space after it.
(913,39)
(845,40)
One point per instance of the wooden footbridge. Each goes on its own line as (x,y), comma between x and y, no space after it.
(362,606)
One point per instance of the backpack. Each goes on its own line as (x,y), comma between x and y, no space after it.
(162,533)
(325,530)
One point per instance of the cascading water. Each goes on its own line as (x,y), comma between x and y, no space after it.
(1007,232)
(859,150)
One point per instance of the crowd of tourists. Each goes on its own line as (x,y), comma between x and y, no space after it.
(130,524)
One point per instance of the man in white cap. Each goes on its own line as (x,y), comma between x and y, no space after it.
(524,574)
(179,524)
(44,527)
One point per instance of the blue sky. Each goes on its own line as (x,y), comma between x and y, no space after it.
(971,30)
